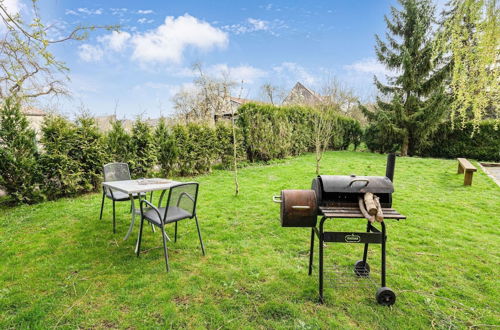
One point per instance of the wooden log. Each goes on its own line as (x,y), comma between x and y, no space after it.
(365,213)
(370,204)
(380,215)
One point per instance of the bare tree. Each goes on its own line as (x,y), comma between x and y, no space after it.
(209,97)
(27,67)
(322,132)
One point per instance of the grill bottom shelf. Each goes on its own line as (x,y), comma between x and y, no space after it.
(349,276)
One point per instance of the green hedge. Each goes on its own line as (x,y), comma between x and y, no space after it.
(271,132)
(451,143)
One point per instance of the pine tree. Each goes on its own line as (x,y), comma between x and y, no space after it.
(143,149)
(166,146)
(18,155)
(118,143)
(416,91)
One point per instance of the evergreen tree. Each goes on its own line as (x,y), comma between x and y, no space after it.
(416,91)
(167,150)
(90,152)
(118,143)
(62,173)
(143,149)
(18,155)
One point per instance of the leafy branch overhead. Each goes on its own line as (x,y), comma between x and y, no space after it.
(28,69)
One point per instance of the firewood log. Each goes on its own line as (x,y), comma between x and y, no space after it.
(365,213)
(380,215)
(370,204)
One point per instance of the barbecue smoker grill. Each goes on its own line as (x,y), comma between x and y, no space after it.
(338,196)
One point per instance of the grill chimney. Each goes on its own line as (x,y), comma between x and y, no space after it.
(391,163)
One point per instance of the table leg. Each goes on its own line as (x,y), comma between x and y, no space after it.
(133,218)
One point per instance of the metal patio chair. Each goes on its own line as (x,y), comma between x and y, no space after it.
(180,205)
(116,172)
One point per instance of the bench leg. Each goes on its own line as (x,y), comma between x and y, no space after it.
(460,169)
(468,178)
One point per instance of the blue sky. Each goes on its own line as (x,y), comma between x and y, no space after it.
(277,42)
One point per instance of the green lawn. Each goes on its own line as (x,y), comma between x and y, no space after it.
(62,267)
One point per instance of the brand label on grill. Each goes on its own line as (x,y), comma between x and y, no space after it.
(352,238)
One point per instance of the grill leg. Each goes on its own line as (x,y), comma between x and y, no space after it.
(384,238)
(311,252)
(365,252)
(321,259)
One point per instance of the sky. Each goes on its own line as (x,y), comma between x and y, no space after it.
(136,71)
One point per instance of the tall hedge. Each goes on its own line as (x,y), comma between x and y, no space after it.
(18,155)
(271,132)
(166,146)
(118,143)
(143,149)
(459,142)
(62,174)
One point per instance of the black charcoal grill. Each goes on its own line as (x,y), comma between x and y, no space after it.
(337,196)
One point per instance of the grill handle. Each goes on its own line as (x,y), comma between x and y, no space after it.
(277,199)
(301,207)
(359,180)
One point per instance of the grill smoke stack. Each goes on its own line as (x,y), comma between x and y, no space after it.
(391,163)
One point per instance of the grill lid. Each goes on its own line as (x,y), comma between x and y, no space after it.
(356,184)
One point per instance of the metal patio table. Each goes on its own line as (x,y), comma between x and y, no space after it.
(131,187)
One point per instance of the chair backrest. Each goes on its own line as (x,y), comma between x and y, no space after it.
(115,172)
(183,196)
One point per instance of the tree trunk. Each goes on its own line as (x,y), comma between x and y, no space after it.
(404,146)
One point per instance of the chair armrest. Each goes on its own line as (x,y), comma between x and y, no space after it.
(144,201)
(182,195)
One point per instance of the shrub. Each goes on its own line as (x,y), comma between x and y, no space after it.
(118,143)
(377,140)
(351,133)
(458,142)
(167,148)
(143,149)
(18,155)
(225,141)
(62,174)
(197,148)
(89,152)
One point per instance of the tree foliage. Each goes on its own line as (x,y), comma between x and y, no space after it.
(470,34)
(143,149)
(167,148)
(118,143)
(28,68)
(18,155)
(416,90)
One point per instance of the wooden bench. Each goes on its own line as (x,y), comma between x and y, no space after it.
(465,166)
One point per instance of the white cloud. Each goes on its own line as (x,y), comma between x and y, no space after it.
(13,6)
(90,53)
(368,65)
(258,24)
(145,12)
(168,41)
(144,20)
(245,73)
(295,72)
(116,40)
(118,11)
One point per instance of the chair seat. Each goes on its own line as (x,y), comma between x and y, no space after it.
(121,196)
(174,214)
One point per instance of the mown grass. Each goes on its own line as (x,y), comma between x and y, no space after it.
(62,267)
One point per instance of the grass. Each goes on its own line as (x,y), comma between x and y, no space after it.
(62,267)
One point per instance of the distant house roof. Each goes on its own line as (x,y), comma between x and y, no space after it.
(30,111)
(302,94)
(240,100)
